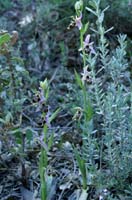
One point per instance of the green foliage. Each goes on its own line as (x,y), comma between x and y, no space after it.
(79,80)
(101,97)
(111,100)
(5,38)
(46,142)
(12,74)
(4,5)
(83,169)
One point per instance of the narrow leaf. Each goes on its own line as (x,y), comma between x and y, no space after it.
(5,38)
(78,80)
(53,116)
(90,10)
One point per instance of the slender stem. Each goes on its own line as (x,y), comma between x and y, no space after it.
(82,47)
(84,65)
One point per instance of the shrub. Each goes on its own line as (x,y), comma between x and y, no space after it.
(107,134)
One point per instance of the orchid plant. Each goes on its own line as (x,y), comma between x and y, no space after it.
(45,139)
(86,112)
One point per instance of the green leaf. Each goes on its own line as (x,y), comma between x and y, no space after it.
(50,142)
(78,80)
(89,111)
(42,170)
(45,158)
(18,135)
(47,93)
(4,38)
(53,116)
(45,130)
(85,28)
(29,134)
(49,180)
(90,10)
(82,167)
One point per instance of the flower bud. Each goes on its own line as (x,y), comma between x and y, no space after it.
(44,84)
(79,7)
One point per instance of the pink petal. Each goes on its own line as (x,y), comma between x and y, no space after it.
(92,49)
(87,39)
(78,21)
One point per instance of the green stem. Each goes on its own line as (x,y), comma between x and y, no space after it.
(85,103)
(82,47)
(42,175)
(84,64)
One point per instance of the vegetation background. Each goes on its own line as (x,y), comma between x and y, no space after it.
(46,144)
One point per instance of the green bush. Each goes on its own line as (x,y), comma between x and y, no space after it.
(106,134)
